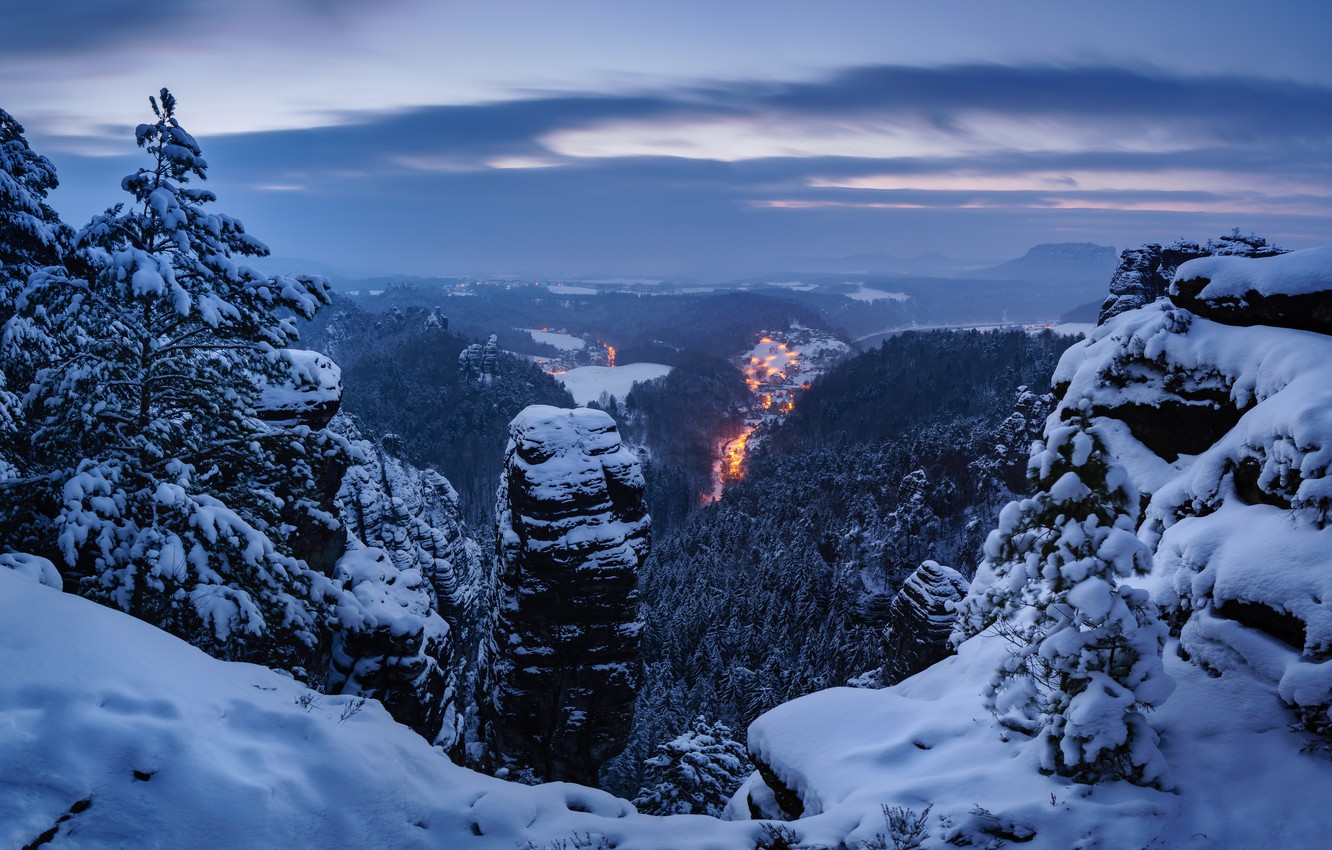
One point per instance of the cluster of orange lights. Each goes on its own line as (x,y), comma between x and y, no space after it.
(733,456)
(774,365)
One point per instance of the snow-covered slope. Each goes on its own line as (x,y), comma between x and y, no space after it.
(231,758)
(144,741)
(1241,781)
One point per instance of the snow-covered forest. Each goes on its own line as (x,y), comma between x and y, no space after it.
(280,570)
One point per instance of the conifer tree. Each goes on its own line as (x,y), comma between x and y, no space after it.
(694,773)
(1085,651)
(150,349)
(31,233)
(31,236)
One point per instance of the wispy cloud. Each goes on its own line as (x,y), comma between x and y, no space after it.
(699,165)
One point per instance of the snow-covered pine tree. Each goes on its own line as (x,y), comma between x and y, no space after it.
(31,236)
(695,773)
(1085,650)
(31,233)
(150,352)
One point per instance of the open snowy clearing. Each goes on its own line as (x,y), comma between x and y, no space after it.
(587,383)
(564,342)
(1073,328)
(865,293)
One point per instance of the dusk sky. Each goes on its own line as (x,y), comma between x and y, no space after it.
(578,137)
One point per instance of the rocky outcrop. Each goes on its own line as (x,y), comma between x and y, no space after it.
(1144,273)
(572,532)
(478,362)
(1240,495)
(1288,291)
(920,619)
(390,644)
(310,393)
(1173,406)
(308,396)
(421,662)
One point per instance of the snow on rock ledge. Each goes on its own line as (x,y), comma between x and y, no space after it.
(151,743)
(1289,290)
(310,395)
(173,749)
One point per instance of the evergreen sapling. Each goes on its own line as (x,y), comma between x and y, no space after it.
(695,773)
(1084,663)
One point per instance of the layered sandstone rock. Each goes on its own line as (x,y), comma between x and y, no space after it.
(572,532)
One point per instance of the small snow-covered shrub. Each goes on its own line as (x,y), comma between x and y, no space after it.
(696,773)
(1085,659)
(906,830)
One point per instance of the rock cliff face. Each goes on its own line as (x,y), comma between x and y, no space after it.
(1145,272)
(421,583)
(478,362)
(920,619)
(309,398)
(572,532)
(1226,423)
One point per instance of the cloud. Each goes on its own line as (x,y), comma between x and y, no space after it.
(74,26)
(702,171)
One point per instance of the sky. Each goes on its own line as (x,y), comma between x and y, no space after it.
(573,137)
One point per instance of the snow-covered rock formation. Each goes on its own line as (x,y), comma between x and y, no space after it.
(419,582)
(920,619)
(309,394)
(1238,514)
(572,532)
(478,361)
(1145,272)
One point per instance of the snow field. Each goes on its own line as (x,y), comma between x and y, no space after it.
(587,383)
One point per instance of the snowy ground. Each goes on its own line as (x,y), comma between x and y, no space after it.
(1074,328)
(1240,778)
(865,293)
(587,383)
(568,289)
(174,749)
(564,342)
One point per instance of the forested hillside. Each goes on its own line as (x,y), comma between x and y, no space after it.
(898,455)
(402,376)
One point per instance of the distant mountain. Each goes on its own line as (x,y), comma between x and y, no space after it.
(876,262)
(1056,261)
